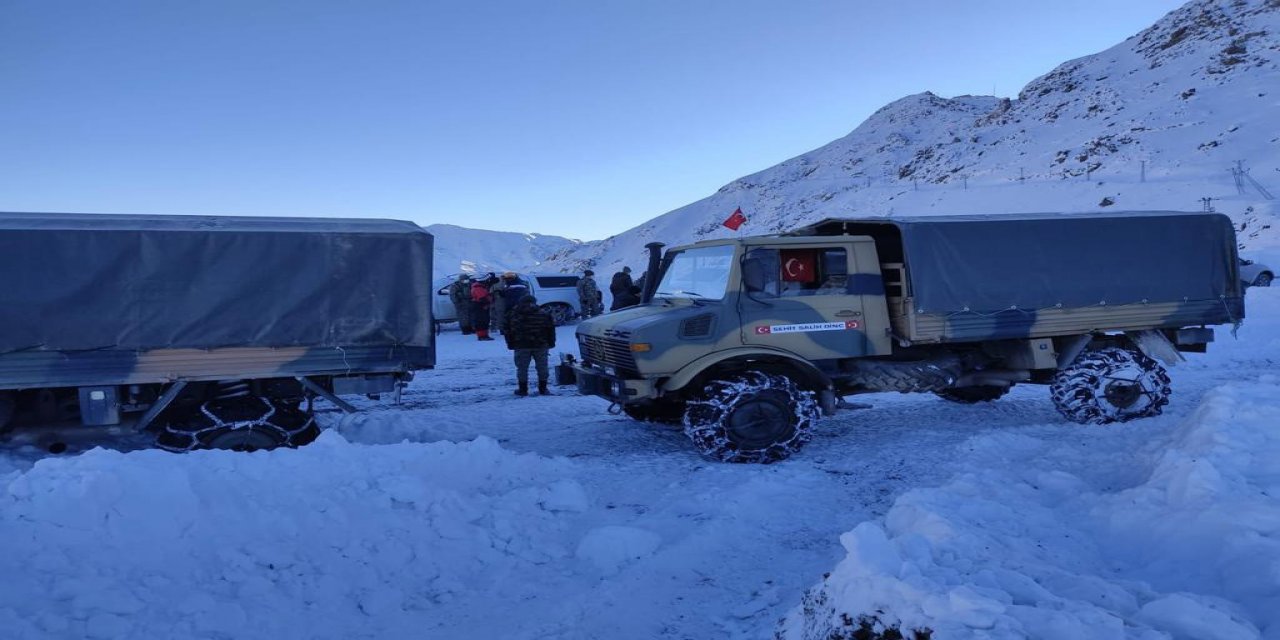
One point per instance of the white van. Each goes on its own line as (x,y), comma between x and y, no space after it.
(556,292)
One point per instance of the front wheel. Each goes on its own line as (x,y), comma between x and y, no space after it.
(751,417)
(1110,385)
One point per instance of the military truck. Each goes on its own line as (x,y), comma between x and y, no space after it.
(745,341)
(209,332)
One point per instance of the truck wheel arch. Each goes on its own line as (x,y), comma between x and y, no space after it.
(777,361)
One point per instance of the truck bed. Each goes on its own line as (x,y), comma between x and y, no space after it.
(969,278)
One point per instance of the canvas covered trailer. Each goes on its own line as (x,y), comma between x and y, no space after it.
(965,277)
(107,300)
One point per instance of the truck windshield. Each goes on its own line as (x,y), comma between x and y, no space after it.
(698,273)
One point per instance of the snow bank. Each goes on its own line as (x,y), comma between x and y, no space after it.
(1016,547)
(334,540)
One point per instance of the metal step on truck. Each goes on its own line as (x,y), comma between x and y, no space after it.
(745,341)
(206,332)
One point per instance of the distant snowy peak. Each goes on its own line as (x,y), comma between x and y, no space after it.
(459,249)
(1173,115)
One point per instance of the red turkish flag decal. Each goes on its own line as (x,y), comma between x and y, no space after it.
(799,265)
(760,331)
(735,220)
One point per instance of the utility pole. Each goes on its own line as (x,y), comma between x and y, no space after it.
(1144,171)
(1207,204)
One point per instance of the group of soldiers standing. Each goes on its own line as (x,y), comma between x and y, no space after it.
(506,304)
(626,293)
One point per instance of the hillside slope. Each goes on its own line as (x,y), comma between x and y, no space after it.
(1160,121)
(459,249)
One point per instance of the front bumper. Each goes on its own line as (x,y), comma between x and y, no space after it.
(594,382)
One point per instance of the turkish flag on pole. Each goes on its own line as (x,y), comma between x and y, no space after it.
(735,220)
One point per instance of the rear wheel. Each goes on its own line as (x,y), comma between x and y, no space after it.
(1263,279)
(751,417)
(973,395)
(1110,385)
(246,423)
(560,312)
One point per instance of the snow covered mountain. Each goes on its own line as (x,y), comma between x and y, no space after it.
(1185,110)
(459,249)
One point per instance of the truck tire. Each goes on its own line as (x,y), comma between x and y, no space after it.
(560,312)
(247,423)
(974,394)
(658,411)
(750,417)
(1108,385)
(1263,279)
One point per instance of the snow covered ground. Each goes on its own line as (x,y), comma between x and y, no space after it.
(468,512)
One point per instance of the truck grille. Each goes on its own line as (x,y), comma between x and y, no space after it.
(607,351)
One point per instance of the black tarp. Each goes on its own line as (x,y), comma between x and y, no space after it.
(1038,261)
(106,281)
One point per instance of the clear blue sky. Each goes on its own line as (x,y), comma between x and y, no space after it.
(578,117)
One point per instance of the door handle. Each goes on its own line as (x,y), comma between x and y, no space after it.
(848,313)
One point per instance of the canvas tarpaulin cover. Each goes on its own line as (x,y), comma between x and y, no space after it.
(1039,261)
(85,281)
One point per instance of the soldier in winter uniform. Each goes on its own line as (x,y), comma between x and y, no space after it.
(460,295)
(620,285)
(506,294)
(530,332)
(588,294)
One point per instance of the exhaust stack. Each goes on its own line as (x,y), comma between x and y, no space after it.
(651,275)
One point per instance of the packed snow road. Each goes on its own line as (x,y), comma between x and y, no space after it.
(468,512)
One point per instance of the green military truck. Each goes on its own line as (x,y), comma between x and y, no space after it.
(746,341)
(208,332)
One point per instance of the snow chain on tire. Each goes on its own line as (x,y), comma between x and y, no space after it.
(1086,392)
(789,410)
(289,428)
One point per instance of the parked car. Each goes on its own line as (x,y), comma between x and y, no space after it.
(556,292)
(1255,274)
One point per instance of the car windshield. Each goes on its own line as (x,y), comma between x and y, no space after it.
(698,273)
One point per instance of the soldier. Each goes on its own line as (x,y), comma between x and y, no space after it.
(460,295)
(620,285)
(506,294)
(530,332)
(481,298)
(588,294)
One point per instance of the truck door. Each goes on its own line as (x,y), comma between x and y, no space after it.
(806,299)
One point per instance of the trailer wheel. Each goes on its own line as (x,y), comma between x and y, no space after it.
(974,394)
(1110,385)
(751,417)
(248,423)
(560,312)
(658,411)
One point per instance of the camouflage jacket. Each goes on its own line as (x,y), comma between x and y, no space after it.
(460,293)
(587,290)
(529,327)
